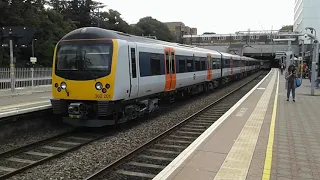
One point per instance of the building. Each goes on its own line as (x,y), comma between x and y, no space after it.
(306,14)
(248,43)
(179,29)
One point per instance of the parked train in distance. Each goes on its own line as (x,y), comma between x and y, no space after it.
(102,77)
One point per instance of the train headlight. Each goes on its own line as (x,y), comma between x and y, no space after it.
(63,85)
(99,85)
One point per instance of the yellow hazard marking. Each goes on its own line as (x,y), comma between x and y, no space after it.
(238,160)
(268,160)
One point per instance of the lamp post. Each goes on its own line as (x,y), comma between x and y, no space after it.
(302,58)
(33,46)
(98,7)
(315,57)
(12,75)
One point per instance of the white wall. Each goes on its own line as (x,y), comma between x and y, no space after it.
(307,14)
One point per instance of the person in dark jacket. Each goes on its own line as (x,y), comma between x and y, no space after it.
(291,76)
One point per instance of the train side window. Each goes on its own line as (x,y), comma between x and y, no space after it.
(161,64)
(144,64)
(173,70)
(190,64)
(217,62)
(133,63)
(182,63)
(197,63)
(227,63)
(203,64)
(214,63)
(167,63)
(155,64)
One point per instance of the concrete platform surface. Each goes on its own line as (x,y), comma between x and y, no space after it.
(262,137)
(25,91)
(14,105)
(225,150)
(296,148)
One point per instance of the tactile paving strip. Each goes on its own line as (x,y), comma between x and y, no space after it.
(237,163)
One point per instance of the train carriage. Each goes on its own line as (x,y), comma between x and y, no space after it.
(102,77)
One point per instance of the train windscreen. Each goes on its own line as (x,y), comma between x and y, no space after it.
(88,59)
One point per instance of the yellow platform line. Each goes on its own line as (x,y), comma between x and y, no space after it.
(268,160)
(238,160)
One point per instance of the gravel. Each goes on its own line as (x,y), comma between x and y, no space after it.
(30,137)
(90,158)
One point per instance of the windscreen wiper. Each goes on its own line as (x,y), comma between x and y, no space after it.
(85,60)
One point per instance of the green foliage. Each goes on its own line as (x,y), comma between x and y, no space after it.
(153,27)
(287,28)
(61,17)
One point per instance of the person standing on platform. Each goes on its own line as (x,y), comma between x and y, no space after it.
(281,68)
(291,76)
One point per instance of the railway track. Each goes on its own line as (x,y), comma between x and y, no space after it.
(22,158)
(149,159)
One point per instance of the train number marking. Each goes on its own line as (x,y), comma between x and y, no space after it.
(101,96)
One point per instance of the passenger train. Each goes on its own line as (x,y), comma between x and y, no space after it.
(102,77)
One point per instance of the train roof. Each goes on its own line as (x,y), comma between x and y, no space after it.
(99,33)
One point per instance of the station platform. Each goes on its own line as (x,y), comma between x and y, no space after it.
(11,105)
(262,136)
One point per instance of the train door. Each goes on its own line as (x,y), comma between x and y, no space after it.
(170,69)
(231,66)
(134,80)
(209,67)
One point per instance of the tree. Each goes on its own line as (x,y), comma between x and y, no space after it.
(49,24)
(153,27)
(136,30)
(53,29)
(112,20)
(63,16)
(59,6)
(287,28)
(80,12)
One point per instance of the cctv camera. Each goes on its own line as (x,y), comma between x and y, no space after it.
(305,36)
(315,41)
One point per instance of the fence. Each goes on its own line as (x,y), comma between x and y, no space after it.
(25,80)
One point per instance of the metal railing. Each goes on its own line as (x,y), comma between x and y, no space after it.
(26,80)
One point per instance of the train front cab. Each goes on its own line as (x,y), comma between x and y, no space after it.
(83,76)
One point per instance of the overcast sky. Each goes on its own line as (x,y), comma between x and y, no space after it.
(220,16)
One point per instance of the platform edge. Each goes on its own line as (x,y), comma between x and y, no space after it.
(24,111)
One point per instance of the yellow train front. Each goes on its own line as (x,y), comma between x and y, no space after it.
(83,76)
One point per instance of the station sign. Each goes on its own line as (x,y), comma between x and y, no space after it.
(33,60)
